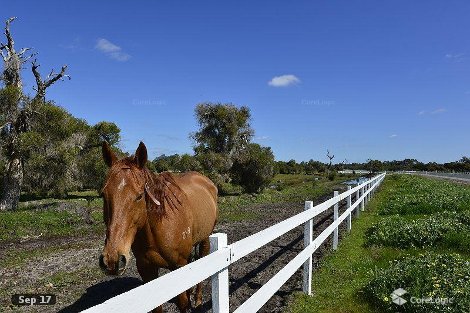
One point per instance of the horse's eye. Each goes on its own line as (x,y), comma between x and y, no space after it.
(139,197)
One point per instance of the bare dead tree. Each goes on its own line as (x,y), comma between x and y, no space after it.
(16,113)
(13,61)
(330,157)
(43,84)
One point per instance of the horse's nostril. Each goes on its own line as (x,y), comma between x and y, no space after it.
(122,263)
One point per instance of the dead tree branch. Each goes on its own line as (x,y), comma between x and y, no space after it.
(42,85)
(329,156)
(10,42)
(13,60)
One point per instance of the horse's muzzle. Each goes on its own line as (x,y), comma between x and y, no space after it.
(113,268)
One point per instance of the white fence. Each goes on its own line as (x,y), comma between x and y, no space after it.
(216,265)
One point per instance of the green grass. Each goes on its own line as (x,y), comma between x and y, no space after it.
(423,231)
(52,217)
(18,257)
(335,285)
(25,224)
(236,215)
(427,275)
(287,188)
(358,276)
(410,194)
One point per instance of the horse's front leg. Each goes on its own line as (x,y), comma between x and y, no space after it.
(204,248)
(183,300)
(148,272)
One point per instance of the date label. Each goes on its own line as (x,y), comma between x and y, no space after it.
(33,299)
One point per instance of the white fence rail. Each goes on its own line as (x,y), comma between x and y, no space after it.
(216,265)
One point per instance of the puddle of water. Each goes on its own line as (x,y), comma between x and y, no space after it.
(356,181)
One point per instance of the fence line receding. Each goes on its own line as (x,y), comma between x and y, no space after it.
(216,265)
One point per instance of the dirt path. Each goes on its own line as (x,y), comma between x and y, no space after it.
(462,180)
(70,269)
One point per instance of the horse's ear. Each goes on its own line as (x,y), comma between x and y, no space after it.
(141,155)
(108,155)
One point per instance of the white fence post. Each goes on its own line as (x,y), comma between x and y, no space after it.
(335,217)
(348,205)
(307,270)
(219,281)
(358,192)
(365,194)
(363,199)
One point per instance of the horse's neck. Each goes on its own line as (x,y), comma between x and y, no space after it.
(143,238)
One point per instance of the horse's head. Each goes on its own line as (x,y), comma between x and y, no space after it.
(124,206)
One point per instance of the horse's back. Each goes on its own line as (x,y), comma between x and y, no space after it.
(202,199)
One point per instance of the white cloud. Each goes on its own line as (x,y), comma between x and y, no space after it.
(457,57)
(106,46)
(439,111)
(110,49)
(436,111)
(393,136)
(283,80)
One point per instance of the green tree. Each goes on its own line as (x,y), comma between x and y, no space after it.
(224,128)
(188,163)
(224,131)
(216,166)
(375,166)
(90,161)
(254,169)
(62,153)
(164,163)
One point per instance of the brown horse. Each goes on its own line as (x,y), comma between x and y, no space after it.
(160,216)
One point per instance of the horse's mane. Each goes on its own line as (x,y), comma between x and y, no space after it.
(166,190)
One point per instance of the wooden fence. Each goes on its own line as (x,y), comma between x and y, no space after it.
(216,265)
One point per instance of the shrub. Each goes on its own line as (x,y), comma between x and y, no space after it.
(254,170)
(226,189)
(427,276)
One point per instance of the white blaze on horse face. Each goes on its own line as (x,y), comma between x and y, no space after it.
(121,184)
(186,233)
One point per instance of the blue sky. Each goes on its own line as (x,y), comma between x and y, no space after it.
(365,79)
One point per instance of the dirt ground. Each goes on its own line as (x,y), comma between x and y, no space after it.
(69,266)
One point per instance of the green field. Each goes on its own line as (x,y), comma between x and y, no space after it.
(76,216)
(414,235)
